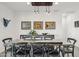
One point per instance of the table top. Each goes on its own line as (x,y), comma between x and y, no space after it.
(41,41)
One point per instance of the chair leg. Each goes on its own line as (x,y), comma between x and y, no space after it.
(29,55)
(68,54)
(11,51)
(43,54)
(47,54)
(63,54)
(33,55)
(72,54)
(5,51)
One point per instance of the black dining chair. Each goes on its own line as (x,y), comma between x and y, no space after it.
(8,45)
(38,50)
(53,49)
(69,48)
(21,50)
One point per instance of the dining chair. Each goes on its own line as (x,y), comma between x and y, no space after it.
(38,49)
(69,48)
(53,49)
(8,45)
(38,37)
(21,49)
(48,37)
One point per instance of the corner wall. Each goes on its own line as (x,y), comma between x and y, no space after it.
(73,31)
(8,31)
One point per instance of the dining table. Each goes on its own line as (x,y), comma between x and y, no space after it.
(30,41)
(40,41)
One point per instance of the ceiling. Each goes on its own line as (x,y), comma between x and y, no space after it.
(61,7)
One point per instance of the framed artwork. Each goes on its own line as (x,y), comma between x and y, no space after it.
(26,25)
(76,23)
(38,25)
(50,25)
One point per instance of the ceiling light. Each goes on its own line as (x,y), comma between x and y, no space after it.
(56,3)
(28,3)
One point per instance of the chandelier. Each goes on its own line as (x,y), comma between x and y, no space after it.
(37,6)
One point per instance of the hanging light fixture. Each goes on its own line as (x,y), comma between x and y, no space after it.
(36,9)
(38,4)
(48,9)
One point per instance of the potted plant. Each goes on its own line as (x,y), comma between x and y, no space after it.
(44,33)
(33,32)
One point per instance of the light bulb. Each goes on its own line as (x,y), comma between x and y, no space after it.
(28,3)
(56,3)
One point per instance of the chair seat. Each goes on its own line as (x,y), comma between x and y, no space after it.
(8,45)
(66,50)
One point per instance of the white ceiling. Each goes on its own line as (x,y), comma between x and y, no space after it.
(61,7)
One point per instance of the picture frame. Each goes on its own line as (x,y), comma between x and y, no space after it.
(25,25)
(76,23)
(38,25)
(50,25)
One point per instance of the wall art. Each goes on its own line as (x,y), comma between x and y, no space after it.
(76,23)
(50,25)
(6,22)
(38,25)
(25,25)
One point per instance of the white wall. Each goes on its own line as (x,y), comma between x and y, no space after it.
(31,16)
(72,31)
(9,31)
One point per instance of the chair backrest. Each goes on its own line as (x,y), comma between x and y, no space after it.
(54,46)
(37,45)
(71,40)
(20,48)
(49,37)
(38,48)
(19,45)
(7,40)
